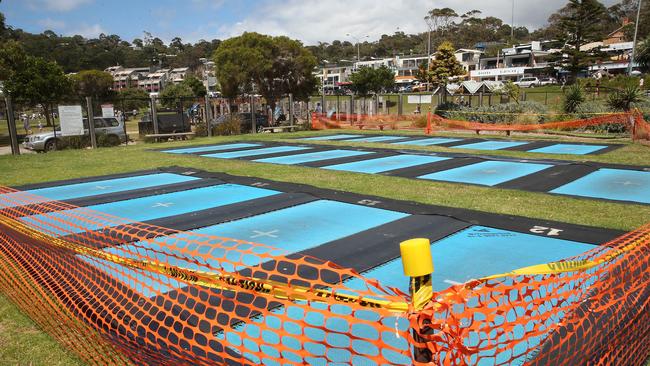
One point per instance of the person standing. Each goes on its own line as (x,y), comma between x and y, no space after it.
(26,123)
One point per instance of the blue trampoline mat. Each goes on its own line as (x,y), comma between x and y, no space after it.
(149,208)
(190,150)
(427,142)
(487,173)
(314,156)
(88,189)
(264,151)
(481,251)
(611,184)
(288,230)
(378,139)
(574,149)
(331,137)
(490,145)
(386,164)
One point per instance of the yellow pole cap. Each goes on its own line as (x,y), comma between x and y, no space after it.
(416,257)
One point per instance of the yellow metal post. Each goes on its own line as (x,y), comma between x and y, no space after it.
(418,266)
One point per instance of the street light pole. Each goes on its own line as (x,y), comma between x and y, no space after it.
(358,45)
(630,67)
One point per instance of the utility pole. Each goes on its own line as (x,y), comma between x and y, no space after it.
(630,67)
(358,44)
(91,122)
(512,24)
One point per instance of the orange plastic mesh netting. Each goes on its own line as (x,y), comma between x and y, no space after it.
(117,292)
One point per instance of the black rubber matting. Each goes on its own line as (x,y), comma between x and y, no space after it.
(562,172)
(530,145)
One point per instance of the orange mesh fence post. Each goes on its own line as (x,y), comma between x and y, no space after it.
(428,130)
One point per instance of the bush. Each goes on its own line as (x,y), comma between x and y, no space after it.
(622,100)
(508,113)
(573,97)
(231,126)
(590,110)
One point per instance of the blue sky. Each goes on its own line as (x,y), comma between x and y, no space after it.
(308,20)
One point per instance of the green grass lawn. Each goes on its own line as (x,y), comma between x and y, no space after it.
(27,345)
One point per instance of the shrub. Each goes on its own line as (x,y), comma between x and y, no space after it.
(230,126)
(623,99)
(590,110)
(522,112)
(573,97)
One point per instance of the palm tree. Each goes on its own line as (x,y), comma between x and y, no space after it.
(643,54)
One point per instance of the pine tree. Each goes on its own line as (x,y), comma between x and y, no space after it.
(445,66)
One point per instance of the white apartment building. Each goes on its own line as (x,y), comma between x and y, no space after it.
(515,62)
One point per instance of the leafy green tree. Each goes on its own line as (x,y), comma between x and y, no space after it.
(12,58)
(172,93)
(133,98)
(93,83)
(39,82)
(367,80)
(198,89)
(275,66)
(579,23)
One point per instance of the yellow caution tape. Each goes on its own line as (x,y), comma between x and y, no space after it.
(210,279)
(569,266)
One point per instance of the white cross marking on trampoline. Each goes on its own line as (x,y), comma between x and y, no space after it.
(259,234)
(102,187)
(160,204)
(492,171)
(628,183)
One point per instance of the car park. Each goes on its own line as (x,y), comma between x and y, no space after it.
(111,127)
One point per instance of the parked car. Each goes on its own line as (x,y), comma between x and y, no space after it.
(261,121)
(112,128)
(528,82)
(547,81)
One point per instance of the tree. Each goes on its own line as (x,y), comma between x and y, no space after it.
(275,66)
(12,58)
(444,67)
(367,80)
(173,93)
(198,89)
(39,82)
(93,83)
(643,54)
(579,23)
(133,98)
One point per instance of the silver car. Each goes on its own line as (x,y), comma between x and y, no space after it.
(112,128)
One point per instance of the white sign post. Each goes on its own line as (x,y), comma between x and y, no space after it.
(71,119)
(108,111)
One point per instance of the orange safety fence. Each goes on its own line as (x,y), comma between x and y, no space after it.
(117,292)
(362,121)
(633,121)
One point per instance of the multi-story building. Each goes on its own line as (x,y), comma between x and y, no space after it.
(155,82)
(176,76)
(515,62)
(124,78)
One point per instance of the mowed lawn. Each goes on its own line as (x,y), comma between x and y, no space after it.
(22,343)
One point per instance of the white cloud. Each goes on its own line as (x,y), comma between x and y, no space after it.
(87,31)
(317,20)
(58,5)
(52,24)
